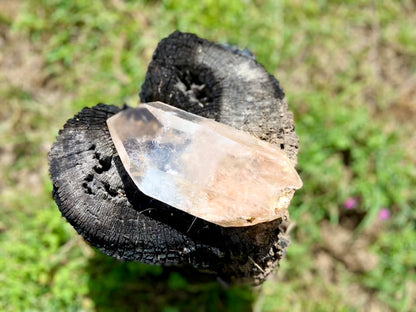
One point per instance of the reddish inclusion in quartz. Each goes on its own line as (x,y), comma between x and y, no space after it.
(203,167)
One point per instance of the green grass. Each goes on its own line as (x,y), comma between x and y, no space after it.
(347,68)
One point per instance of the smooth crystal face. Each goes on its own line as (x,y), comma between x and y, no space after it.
(205,168)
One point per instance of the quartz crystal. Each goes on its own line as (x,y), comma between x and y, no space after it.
(200,166)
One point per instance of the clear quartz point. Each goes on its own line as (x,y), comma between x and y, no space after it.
(200,166)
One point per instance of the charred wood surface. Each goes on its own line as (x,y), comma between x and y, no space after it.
(98,198)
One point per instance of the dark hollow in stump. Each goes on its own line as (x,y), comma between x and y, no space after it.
(98,198)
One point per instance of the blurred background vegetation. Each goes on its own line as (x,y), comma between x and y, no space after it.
(349,72)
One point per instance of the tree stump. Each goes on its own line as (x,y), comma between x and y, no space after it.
(98,198)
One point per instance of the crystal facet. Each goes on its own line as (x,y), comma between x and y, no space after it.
(200,166)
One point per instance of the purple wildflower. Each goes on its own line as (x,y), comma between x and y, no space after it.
(350,203)
(384,214)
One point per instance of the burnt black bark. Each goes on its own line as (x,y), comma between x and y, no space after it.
(223,83)
(96,195)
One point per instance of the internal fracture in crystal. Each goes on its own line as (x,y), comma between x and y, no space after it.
(205,168)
